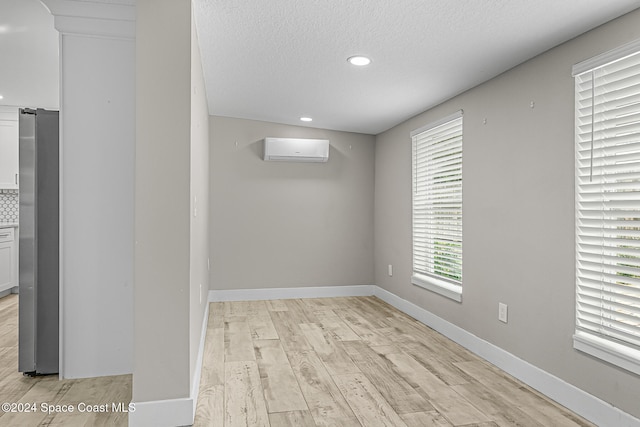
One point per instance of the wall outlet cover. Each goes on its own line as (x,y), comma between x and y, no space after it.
(502,312)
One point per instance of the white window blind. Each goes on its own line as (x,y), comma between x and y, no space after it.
(608,209)
(437,206)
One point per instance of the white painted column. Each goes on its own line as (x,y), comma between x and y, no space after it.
(97,110)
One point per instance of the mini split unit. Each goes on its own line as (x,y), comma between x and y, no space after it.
(296,150)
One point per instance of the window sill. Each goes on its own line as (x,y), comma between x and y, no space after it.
(441,287)
(614,353)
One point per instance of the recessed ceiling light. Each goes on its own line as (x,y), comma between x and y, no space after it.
(359,60)
(1,97)
(306,119)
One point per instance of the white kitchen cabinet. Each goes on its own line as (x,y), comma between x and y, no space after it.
(8,148)
(8,264)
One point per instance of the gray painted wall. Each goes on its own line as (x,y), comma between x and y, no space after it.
(162,203)
(199,242)
(276,224)
(518,214)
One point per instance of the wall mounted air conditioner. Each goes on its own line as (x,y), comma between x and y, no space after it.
(296,150)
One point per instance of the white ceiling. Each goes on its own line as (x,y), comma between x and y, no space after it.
(29,71)
(278,60)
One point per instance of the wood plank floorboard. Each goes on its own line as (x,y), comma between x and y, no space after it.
(244,397)
(330,351)
(299,311)
(289,331)
(210,405)
(456,409)
(379,370)
(326,403)
(443,368)
(276,305)
(216,315)
(367,332)
(354,362)
(425,419)
(496,408)
(350,361)
(367,403)
(237,339)
(292,419)
(14,387)
(261,327)
(330,322)
(281,390)
(511,391)
(212,373)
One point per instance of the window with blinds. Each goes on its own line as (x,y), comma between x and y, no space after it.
(607,129)
(437,206)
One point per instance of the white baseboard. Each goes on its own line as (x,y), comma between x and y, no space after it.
(174,412)
(179,412)
(162,413)
(586,405)
(289,293)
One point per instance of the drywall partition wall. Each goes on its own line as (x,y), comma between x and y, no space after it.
(97,126)
(518,214)
(283,224)
(162,252)
(199,244)
(172,238)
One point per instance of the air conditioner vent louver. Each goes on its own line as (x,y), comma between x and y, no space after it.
(296,150)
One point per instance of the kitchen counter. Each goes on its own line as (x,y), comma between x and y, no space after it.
(8,224)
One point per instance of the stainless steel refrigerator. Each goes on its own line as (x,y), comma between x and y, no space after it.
(38,257)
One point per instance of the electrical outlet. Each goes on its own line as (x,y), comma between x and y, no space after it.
(502,312)
(390,270)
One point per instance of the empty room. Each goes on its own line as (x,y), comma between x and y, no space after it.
(323,213)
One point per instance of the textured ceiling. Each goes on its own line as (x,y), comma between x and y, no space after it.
(278,60)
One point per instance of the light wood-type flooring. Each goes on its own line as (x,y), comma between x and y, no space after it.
(341,362)
(353,361)
(49,390)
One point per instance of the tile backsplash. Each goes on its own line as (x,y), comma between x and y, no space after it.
(9,205)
